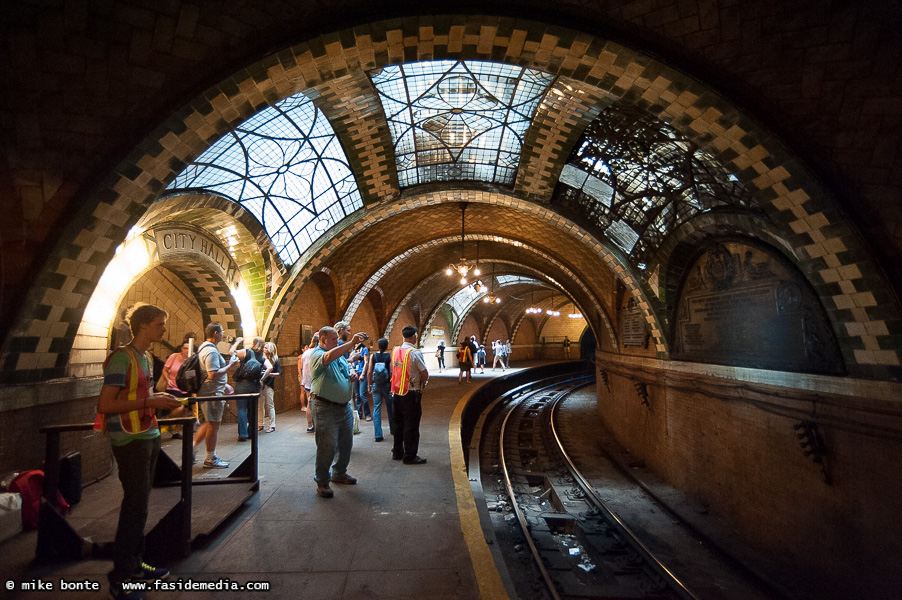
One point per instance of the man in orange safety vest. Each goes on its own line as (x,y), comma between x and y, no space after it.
(409,378)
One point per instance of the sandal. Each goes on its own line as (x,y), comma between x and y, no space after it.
(270,430)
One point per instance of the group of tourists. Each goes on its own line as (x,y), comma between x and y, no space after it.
(472,355)
(127,413)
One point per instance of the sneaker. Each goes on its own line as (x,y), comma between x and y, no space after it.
(216,463)
(344,479)
(311,429)
(416,460)
(147,573)
(247,439)
(118,593)
(379,439)
(324,491)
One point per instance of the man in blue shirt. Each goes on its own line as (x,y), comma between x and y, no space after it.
(330,387)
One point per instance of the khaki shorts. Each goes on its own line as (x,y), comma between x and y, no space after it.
(213,410)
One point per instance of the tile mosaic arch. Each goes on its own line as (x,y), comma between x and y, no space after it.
(852,290)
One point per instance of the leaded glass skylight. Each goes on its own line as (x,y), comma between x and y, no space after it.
(636,179)
(458,120)
(286,167)
(463,299)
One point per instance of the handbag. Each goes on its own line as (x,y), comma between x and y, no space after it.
(162,384)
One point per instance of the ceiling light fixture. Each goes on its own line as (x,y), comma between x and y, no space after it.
(491,298)
(551,312)
(463,267)
(533,310)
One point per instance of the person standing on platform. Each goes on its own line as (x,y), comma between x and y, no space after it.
(566,347)
(247,384)
(409,379)
(507,348)
(304,362)
(379,379)
(170,370)
(498,351)
(217,369)
(480,359)
(440,355)
(126,410)
(272,368)
(464,360)
(330,388)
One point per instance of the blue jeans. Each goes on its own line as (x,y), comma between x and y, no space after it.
(363,405)
(381,394)
(334,436)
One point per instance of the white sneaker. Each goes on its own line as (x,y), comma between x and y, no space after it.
(216,463)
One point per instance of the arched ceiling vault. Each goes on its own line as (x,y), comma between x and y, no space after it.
(591,72)
(430,222)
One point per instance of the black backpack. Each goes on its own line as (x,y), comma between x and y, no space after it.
(192,374)
(250,369)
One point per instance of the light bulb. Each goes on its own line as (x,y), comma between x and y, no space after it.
(463,281)
(463,270)
(485,299)
(448,271)
(497,300)
(477,272)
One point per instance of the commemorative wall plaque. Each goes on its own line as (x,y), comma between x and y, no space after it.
(633,328)
(741,305)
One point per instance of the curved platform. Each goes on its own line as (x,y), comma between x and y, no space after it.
(403,531)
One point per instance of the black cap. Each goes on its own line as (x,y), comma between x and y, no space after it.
(409,331)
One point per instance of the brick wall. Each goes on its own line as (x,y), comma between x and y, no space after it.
(735,448)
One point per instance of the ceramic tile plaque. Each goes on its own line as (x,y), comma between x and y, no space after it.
(741,305)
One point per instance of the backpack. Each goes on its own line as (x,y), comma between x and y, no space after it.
(380,373)
(250,369)
(192,374)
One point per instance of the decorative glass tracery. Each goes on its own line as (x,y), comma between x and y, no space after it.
(635,178)
(455,120)
(286,167)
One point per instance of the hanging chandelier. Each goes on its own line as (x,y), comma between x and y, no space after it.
(533,310)
(463,267)
(491,298)
(551,312)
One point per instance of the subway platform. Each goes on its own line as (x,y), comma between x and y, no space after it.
(403,531)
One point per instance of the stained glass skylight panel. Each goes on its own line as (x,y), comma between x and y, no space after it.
(458,120)
(286,167)
(636,179)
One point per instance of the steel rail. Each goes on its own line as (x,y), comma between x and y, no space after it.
(673,581)
(549,582)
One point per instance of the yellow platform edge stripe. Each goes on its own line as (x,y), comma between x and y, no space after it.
(487,578)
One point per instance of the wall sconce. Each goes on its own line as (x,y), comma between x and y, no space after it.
(642,393)
(812,444)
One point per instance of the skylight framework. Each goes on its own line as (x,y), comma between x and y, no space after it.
(458,120)
(636,179)
(286,167)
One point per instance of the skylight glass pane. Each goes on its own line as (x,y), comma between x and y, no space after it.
(463,299)
(455,120)
(285,166)
(636,179)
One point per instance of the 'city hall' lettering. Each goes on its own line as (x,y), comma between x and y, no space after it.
(178,241)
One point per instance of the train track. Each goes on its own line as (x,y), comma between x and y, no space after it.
(557,537)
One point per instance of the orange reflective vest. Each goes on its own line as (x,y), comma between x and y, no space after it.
(136,390)
(400,370)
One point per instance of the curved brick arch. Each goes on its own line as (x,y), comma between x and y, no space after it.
(572,278)
(199,274)
(610,258)
(857,296)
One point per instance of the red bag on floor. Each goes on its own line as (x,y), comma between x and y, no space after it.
(30,485)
